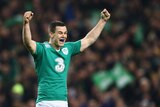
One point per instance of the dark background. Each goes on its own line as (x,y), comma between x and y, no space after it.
(131,37)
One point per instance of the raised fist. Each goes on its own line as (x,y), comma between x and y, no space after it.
(27,16)
(105,15)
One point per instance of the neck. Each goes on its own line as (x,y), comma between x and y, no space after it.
(54,45)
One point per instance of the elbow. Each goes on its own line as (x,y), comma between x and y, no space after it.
(85,43)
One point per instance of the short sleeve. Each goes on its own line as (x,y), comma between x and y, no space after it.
(75,47)
(39,51)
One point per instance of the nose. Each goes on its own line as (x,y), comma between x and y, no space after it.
(64,35)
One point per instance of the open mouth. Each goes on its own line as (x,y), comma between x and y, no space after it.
(62,39)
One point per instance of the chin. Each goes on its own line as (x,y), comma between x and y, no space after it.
(61,44)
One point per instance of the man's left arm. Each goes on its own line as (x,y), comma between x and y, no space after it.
(92,36)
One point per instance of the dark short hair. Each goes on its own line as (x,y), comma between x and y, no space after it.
(54,24)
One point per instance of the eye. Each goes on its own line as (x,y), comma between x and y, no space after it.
(65,32)
(60,32)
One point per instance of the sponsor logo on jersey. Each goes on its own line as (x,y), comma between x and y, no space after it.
(65,51)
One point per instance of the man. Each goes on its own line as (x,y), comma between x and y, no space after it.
(52,58)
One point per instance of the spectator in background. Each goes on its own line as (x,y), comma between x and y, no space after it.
(131,37)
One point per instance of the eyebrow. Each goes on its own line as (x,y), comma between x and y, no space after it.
(62,31)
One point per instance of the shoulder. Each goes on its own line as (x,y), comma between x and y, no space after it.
(72,43)
(46,45)
(74,47)
(43,44)
(68,44)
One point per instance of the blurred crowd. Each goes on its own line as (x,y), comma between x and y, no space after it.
(131,37)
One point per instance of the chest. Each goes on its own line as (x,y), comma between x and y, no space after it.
(57,60)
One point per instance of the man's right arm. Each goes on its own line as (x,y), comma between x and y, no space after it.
(26,33)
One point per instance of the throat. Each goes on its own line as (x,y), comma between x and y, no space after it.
(57,50)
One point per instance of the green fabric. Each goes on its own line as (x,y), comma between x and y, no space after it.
(121,76)
(139,35)
(118,76)
(52,69)
(14,20)
(103,80)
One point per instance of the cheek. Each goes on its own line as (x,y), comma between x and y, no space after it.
(56,36)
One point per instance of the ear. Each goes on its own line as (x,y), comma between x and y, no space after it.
(51,34)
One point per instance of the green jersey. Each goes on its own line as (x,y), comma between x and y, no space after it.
(52,69)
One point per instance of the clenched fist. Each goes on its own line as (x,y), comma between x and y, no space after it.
(27,16)
(105,15)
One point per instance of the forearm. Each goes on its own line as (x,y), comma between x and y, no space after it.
(26,34)
(27,38)
(95,32)
(92,36)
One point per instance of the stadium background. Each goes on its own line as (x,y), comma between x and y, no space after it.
(122,69)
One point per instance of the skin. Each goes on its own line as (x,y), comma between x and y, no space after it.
(55,38)
(61,33)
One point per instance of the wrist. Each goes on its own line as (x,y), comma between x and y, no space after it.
(25,23)
(103,20)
